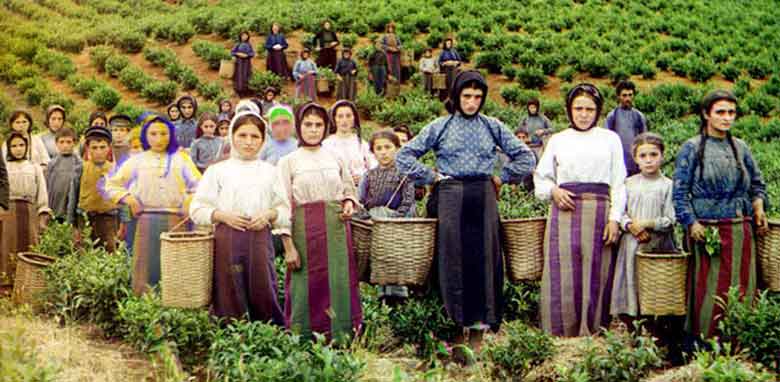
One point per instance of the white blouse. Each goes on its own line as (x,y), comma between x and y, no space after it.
(312,176)
(593,156)
(37,153)
(241,187)
(356,154)
(26,182)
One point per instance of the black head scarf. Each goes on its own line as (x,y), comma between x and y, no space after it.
(11,136)
(589,90)
(461,81)
(322,112)
(194,106)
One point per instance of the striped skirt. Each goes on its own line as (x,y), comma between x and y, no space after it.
(394,64)
(20,232)
(322,296)
(711,277)
(470,268)
(306,87)
(244,275)
(578,267)
(146,248)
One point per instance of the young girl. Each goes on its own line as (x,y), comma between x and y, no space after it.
(345,143)
(21,122)
(384,185)
(55,119)
(206,149)
(428,66)
(244,275)
(647,222)
(173,113)
(187,125)
(156,185)
(28,211)
(305,75)
(223,126)
(322,285)
(225,108)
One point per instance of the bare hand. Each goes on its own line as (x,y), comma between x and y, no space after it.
(261,221)
(356,179)
(759,216)
(76,236)
(234,221)
(563,199)
(348,209)
(135,206)
(497,183)
(638,230)
(697,231)
(292,259)
(611,233)
(122,231)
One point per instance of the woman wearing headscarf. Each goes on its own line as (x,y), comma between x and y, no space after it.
(582,170)
(276,44)
(326,42)
(321,290)
(718,185)
(449,62)
(305,75)
(55,120)
(245,198)
(391,46)
(243,54)
(469,264)
(346,70)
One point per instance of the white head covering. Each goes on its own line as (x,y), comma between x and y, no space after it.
(233,151)
(247,105)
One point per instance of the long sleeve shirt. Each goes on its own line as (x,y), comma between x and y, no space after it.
(718,194)
(186,130)
(465,147)
(274,150)
(345,67)
(534,123)
(3,184)
(26,182)
(59,179)
(243,47)
(449,55)
(390,41)
(382,183)
(50,142)
(649,199)
(246,188)
(593,156)
(157,184)
(205,150)
(324,38)
(86,191)
(356,154)
(627,123)
(302,67)
(314,176)
(275,39)
(429,65)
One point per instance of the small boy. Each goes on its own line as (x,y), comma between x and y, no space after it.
(86,197)
(428,66)
(120,129)
(60,172)
(281,141)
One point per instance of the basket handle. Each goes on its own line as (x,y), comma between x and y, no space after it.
(401,184)
(180,224)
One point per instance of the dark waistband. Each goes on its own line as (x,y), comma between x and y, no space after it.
(472,178)
(586,188)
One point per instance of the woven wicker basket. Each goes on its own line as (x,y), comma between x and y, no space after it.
(323,86)
(393,89)
(523,244)
(662,283)
(769,256)
(402,250)
(227,68)
(407,58)
(30,279)
(186,268)
(439,81)
(361,243)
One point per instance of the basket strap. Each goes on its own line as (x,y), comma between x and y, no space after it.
(180,224)
(387,205)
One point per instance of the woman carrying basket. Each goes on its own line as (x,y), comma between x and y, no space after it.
(582,170)
(718,188)
(471,275)
(156,184)
(244,273)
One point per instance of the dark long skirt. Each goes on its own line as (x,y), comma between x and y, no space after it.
(470,268)
(244,275)
(276,62)
(578,267)
(327,58)
(241,75)
(379,74)
(394,64)
(323,295)
(712,276)
(428,82)
(306,87)
(347,87)
(20,232)
(450,72)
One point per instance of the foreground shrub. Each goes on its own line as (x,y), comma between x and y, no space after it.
(260,80)
(105,97)
(162,92)
(115,64)
(532,77)
(18,360)
(720,365)
(753,327)
(520,349)
(420,321)
(210,52)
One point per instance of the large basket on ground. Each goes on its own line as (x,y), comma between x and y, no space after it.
(523,244)
(439,81)
(661,279)
(402,250)
(186,268)
(407,58)
(393,89)
(227,68)
(769,256)
(361,243)
(323,86)
(30,277)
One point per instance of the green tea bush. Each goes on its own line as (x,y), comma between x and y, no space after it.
(57,98)
(720,365)
(146,324)
(88,286)
(368,102)
(115,63)
(260,80)
(162,92)
(493,61)
(133,78)
(753,327)
(210,90)
(410,108)
(420,320)
(159,56)
(130,41)
(35,94)
(188,79)
(532,77)
(730,71)
(83,86)
(772,86)
(515,95)
(597,64)
(699,69)
(55,63)
(618,73)
(520,349)
(105,97)
(760,103)
(566,73)
(99,55)
(522,302)
(129,110)
(210,52)
(509,72)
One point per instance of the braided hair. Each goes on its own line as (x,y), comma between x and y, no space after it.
(706,107)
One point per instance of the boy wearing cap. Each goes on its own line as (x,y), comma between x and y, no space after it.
(86,196)
(60,172)
(120,137)
(281,142)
